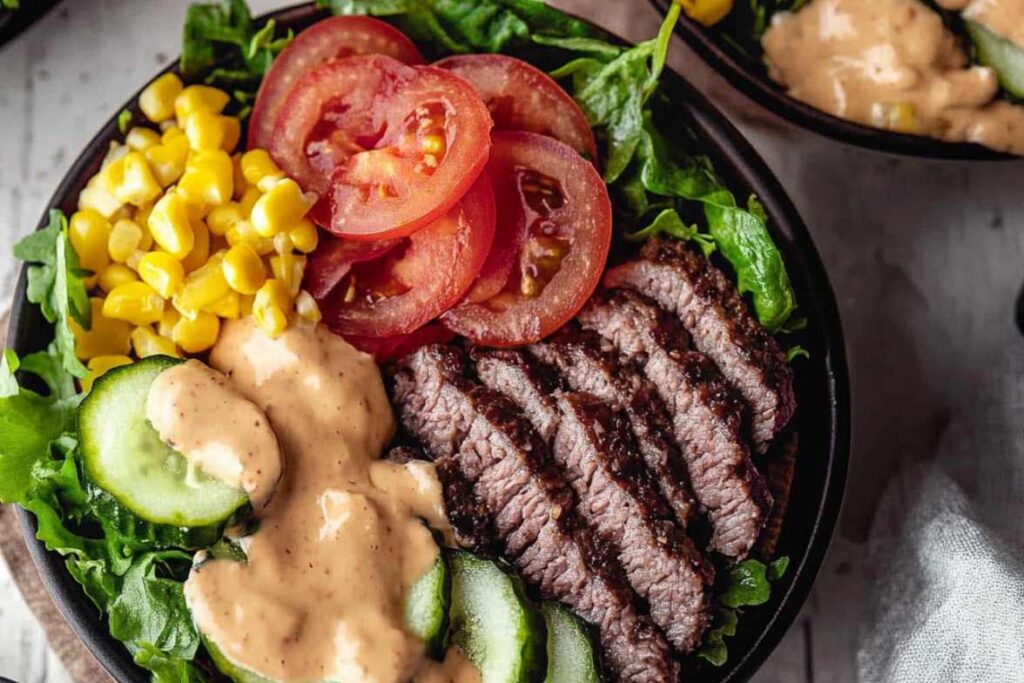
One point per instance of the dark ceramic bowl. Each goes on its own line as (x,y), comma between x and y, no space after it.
(13,22)
(750,76)
(823,420)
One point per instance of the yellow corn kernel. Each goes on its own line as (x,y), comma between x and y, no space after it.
(222,218)
(172,132)
(272,307)
(900,117)
(242,232)
(706,12)
(241,184)
(99,365)
(162,272)
(208,178)
(204,130)
(200,253)
(134,260)
(195,335)
(94,196)
(245,305)
(88,231)
(288,268)
(168,321)
(232,133)
(282,243)
(202,287)
(257,164)
(280,208)
(141,139)
(138,184)
(196,97)
(228,307)
(243,269)
(170,225)
(104,337)
(124,240)
(167,160)
(306,307)
(158,99)
(148,343)
(304,236)
(116,274)
(248,200)
(134,302)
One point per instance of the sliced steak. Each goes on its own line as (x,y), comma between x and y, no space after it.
(688,285)
(778,466)
(615,492)
(706,414)
(482,435)
(585,366)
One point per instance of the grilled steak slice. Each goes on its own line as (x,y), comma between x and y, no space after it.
(585,366)
(482,435)
(615,493)
(688,285)
(778,466)
(705,411)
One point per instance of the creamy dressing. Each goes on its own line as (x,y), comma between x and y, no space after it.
(337,548)
(197,412)
(456,668)
(890,64)
(1003,17)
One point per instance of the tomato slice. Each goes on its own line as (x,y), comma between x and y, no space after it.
(332,38)
(522,97)
(388,147)
(334,258)
(422,278)
(390,348)
(555,204)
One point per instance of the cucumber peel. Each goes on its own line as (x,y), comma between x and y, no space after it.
(572,657)
(1001,55)
(427,604)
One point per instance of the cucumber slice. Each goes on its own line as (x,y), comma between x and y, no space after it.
(235,673)
(1005,57)
(124,456)
(493,622)
(426,607)
(572,657)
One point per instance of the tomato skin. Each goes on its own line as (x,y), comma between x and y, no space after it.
(437,267)
(581,219)
(385,349)
(332,38)
(522,97)
(356,130)
(334,258)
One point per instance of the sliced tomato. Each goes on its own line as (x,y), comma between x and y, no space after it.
(332,38)
(522,97)
(556,205)
(388,147)
(420,279)
(334,258)
(391,348)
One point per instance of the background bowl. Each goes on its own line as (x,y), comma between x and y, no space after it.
(822,389)
(749,75)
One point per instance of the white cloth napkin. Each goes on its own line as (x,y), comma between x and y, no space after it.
(946,589)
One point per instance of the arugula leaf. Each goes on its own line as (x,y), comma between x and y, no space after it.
(221,43)
(56,284)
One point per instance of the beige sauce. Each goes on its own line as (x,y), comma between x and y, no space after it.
(456,668)
(337,548)
(197,412)
(1003,17)
(890,64)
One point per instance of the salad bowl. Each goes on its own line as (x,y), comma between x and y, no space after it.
(821,385)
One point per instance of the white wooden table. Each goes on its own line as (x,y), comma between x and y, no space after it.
(925,258)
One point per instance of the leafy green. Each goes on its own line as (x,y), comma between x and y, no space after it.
(669,223)
(56,283)
(221,44)
(10,4)
(745,584)
(9,364)
(794,352)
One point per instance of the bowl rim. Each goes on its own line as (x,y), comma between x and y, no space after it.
(754,82)
(731,153)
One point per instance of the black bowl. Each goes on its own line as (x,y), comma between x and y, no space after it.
(822,389)
(750,76)
(13,22)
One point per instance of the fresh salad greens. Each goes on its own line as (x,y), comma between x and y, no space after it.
(617,88)
(10,4)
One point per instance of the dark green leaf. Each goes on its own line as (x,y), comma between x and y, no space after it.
(595,47)
(748,585)
(669,223)
(777,569)
(794,352)
(167,669)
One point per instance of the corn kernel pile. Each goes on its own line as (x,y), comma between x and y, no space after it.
(181,232)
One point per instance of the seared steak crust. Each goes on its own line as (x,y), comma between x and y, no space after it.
(706,415)
(585,366)
(481,434)
(688,285)
(615,492)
